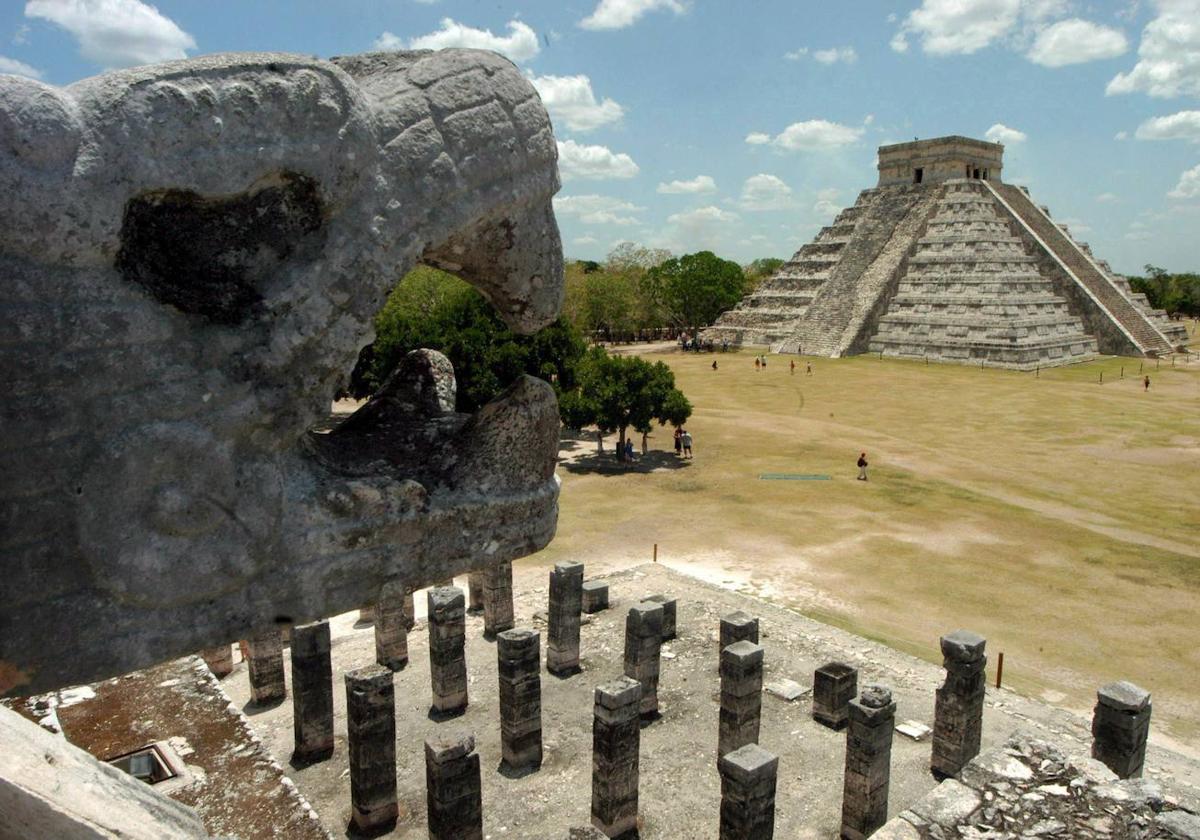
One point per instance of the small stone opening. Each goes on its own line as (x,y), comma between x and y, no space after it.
(145,764)
(918,175)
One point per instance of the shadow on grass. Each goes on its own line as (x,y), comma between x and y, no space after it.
(606,464)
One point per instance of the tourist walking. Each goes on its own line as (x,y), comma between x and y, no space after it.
(757,364)
(764,360)
(1146,383)
(686,440)
(628,449)
(793,363)
(678,441)
(862,466)
(808,369)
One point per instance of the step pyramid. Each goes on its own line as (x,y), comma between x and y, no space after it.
(945,262)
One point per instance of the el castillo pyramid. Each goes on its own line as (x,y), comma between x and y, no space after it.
(944,261)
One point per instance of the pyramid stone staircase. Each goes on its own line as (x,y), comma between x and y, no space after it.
(972,292)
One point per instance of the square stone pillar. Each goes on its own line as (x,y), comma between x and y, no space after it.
(668,605)
(868,762)
(835,684)
(595,596)
(264,665)
(616,739)
(741,696)
(566,606)
(497,599)
(643,646)
(453,788)
(366,614)
(958,712)
(519,664)
(391,635)
(447,649)
(738,627)
(748,793)
(312,692)
(410,608)
(475,592)
(219,660)
(1120,727)
(371,741)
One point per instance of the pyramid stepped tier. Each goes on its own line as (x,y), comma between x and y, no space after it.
(971,292)
(842,313)
(1119,324)
(770,313)
(1176,332)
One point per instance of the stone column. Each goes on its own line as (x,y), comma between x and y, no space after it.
(595,596)
(868,762)
(497,599)
(643,645)
(371,739)
(748,793)
(835,684)
(519,665)
(958,713)
(616,735)
(741,696)
(453,788)
(366,614)
(312,692)
(447,652)
(475,592)
(566,606)
(1120,727)
(668,605)
(264,663)
(391,636)
(219,660)
(738,627)
(410,608)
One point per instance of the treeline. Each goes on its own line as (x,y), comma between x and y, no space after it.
(1178,294)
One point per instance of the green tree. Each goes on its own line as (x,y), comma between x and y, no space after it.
(759,270)
(616,393)
(1178,294)
(695,288)
(432,309)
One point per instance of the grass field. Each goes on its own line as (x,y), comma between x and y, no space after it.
(1054,515)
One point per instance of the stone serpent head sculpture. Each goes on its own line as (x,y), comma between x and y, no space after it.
(191,257)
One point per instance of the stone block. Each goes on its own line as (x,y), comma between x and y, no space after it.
(958,711)
(497,598)
(748,777)
(1121,728)
(741,696)
(447,649)
(835,684)
(616,737)
(219,660)
(312,692)
(868,762)
(453,788)
(391,633)
(566,605)
(264,666)
(475,592)
(371,747)
(519,666)
(668,605)
(738,627)
(595,596)
(643,649)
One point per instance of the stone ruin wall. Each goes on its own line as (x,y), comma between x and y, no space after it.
(940,159)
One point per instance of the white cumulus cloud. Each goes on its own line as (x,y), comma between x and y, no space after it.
(765,192)
(585,240)
(571,99)
(1075,41)
(1184,125)
(950,27)
(521,43)
(596,163)
(809,135)
(1000,133)
(1189,184)
(833,55)
(617,14)
(18,68)
(595,209)
(1169,54)
(826,204)
(699,184)
(116,33)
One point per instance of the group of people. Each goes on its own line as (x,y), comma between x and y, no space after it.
(683,442)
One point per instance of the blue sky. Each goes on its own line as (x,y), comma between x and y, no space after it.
(742,127)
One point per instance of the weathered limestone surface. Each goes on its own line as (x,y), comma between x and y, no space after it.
(475,592)
(738,627)
(453,788)
(51,789)
(741,696)
(371,741)
(595,596)
(519,665)
(391,634)
(566,606)
(616,739)
(1120,728)
(1028,787)
(958,712)
(191,258)
(447,651)
(748,793)
(668,605)
(219,660)
(835,684)
(643,651)
(265,666)
(497,598)
(868,762)
(312,691)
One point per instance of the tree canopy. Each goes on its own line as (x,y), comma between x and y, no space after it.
(695,288)
(1176,293)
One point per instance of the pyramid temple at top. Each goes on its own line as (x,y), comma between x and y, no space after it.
(944,261)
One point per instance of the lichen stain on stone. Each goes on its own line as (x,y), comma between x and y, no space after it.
(205,255)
